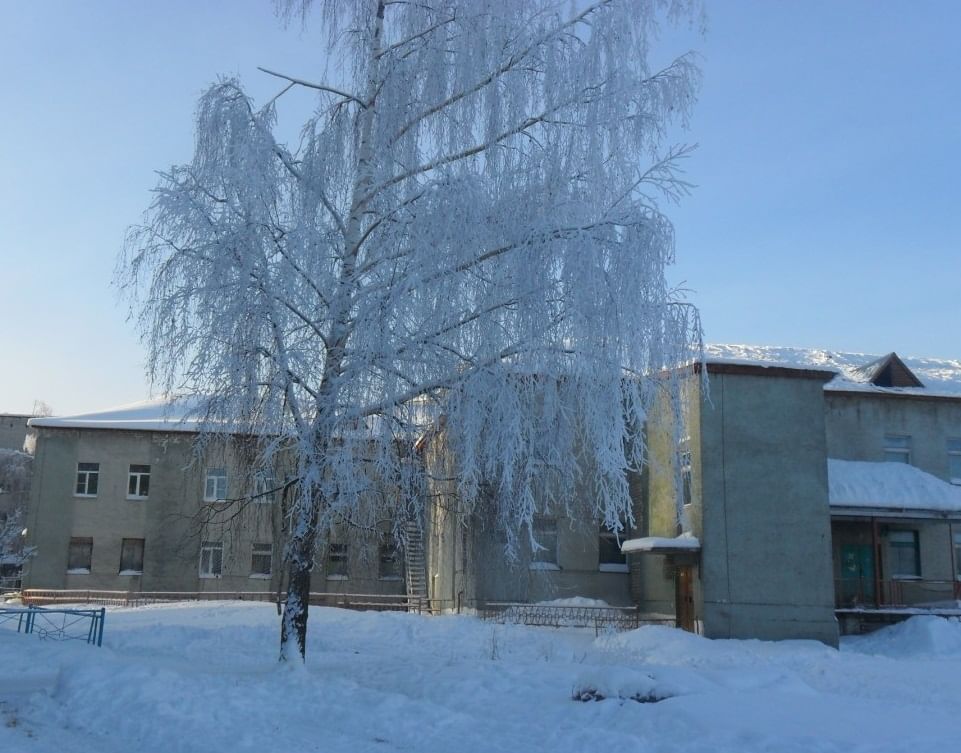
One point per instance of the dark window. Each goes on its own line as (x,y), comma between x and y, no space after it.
(337,561)
(88,476)
(80,555)
(686,483)
(261,559)
(389,562)
(131,557)
(610,557)
(138,481)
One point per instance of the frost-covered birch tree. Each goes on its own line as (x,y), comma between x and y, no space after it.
(469,227)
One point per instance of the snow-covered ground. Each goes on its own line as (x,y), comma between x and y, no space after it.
(203,677)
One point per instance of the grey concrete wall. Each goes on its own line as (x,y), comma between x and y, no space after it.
(13,430)
(766,559)
(856,423)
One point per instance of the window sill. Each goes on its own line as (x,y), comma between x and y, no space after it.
(613,567)
(392,578)
(209,576)
(259,576)
(907,577)
(78,571)
(133,498)
(85,496)
(212,499)
(550,566)
(130,572)
(338,577)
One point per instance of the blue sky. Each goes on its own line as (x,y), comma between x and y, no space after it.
(825,213)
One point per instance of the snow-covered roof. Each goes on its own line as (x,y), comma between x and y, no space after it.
(686,542)
(160,414)
(940,376)
(889,486)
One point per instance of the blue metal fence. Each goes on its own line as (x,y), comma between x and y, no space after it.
(56,624)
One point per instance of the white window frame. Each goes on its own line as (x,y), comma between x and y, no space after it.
(140,479)
(954,459)
(87,474)
(264,485)
(209,566)
(215,485)
(261,550)
(545,556)
(897,448)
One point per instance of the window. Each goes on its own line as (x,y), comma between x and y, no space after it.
(954,460)
(131,557)
(88,478)
(610,559)
(264,486)
(905,556)
(337,562)
(897,448)
(79,555)
(211,559)
(260,560)
(389,563)
(216,487)
(686,488)
(957,556)
(544,556)
(138,482)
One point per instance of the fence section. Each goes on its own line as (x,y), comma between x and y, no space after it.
(56,624)
(552,615)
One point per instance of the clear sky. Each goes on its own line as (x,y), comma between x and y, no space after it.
(825,214)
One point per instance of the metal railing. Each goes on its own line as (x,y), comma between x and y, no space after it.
(380,602)
(895,592)
(550,615)
(56,624)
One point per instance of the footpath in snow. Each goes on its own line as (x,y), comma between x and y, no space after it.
(204,677)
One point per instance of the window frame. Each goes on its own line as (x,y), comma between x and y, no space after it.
(895,562)
(80,541)
(87,474)
(544,528)
(141,479)
(953,446)
(266,550)
(211,548)
(215,475)
(897,448)
(123,551)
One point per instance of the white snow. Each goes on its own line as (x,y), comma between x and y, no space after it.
(940,376)
(889,486)
(159,414)
(203,677)
(686,542)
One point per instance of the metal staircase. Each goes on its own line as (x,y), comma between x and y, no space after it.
(415,568)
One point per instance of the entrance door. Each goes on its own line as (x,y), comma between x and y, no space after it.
(684,597)
(857,574)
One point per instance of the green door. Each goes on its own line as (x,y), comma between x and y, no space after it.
(857,574)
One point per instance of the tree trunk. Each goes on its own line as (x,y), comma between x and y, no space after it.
(296,608)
